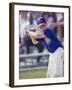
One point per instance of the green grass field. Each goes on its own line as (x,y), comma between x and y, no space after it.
(41,73)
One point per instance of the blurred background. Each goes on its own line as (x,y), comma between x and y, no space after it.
(33,59)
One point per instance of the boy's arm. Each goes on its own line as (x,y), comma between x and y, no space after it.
(34,41)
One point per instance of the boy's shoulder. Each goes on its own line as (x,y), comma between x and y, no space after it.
(48,30)
(49,33)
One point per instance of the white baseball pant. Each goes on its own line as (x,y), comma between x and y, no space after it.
(56,64)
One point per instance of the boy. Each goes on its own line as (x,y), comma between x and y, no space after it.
(53,45)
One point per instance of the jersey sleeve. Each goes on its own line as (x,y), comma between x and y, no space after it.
(51,35)
(39,39)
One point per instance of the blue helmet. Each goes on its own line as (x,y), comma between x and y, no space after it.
(41,21)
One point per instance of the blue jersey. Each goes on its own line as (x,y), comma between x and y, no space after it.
(50,41)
